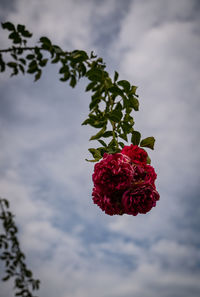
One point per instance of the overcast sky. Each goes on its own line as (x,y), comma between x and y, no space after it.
(71,245)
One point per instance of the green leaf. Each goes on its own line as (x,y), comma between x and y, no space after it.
(90,86)
(21,68)
(6,278)
(125,84)
(134,103)
(107,134)
(26,33)
(30,57)
(133,90)
(116,91)
(15,36)
(64,69)
(23,61)
(56,59)
(135,138)
(79,56)
(126,127)
(12,64)
(116,76)
(102,142)
(9,26)
(20,28)
(95,153)
(99,134)
(28,273)
(38,75)
(57,49)
(72,81)
(115,115)
(65,77)
(148,142)
(113,147)
(43,62)
(148,160)
(118,106)
(123,136)
(45,40)
(94,102)
(96,74)
(2,64)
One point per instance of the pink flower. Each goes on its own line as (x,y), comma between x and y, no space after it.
(135,153)
(139,199)
(113,173)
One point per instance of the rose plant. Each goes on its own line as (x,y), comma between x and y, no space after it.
(124,180)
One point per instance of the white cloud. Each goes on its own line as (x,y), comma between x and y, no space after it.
(71,245)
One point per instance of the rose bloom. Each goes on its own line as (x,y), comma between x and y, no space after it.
(135,153)
(113,173)
(111,205)
(144,173)
(139,199)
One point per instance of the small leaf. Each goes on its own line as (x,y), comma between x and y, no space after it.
(94,102)
(6,278)
(73,81)
(21,68)
(134,103)
(38,75)
(28,273)
(102,142)
(125,84)
(23,61)
(9,26)
(90,86)
(95,153)
(2,64)
(133,90)
(107,134)
(57,49)
(148,160)
(64,69)
(116,91)
(45,40)
(115,115)
(123,136)
(135,138)
(20,28)
(116,76)
(99,134)
(43,62)
(148,142)
(30,57)
(56,59)
(26,33)
(12,64)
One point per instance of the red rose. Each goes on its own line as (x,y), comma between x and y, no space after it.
(110,205)
(113,173)
(135,153)
(139,199)
(123,186)
(143,173)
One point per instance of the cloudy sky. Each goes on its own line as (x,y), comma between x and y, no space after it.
(74,248)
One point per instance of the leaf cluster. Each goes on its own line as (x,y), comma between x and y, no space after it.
(113,101)
(13,257)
